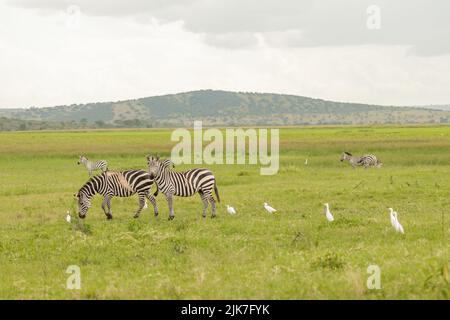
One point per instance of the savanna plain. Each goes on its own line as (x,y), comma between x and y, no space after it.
(292,254)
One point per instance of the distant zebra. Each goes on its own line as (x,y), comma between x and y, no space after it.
(91,165)
(368,160)
(183,184)
(116,184)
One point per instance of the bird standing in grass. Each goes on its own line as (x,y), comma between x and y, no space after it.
(231,210)
(393,222)
(306,161)
(398,226)
(328,213)
(269,208)
(68,218)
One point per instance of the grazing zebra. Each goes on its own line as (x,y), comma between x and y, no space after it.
(91,166)
(183,184)
(368,160)
(119,184)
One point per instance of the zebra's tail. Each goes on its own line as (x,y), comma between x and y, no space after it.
(216,191)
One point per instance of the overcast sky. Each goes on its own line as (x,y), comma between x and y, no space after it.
(55,52)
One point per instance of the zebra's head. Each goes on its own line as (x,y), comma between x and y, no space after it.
(84,203)
(156,165)
(345,155)
(82,159)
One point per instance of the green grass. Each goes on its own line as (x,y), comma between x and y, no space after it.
(294,254)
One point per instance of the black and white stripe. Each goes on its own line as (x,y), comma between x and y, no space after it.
(366,161)
(116,184)
(92,166)
(183,184)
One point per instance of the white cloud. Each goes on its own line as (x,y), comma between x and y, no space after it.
(118,56)
(416,23)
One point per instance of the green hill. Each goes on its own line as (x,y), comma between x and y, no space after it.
(223,108)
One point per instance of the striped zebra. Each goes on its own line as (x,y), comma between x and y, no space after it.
(116,184)
(91,165)
(183,184)
(368,160)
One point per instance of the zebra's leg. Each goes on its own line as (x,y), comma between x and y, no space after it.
(169,198)
(106,206)
(213,206)
(205,203)
(152,200)
(141,205)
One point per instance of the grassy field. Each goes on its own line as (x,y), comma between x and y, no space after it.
(294,254)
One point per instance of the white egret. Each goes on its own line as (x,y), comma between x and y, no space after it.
(306,161)
(393,220)
(328,213)
(398,226)
(68,218)
(269,208)
(231,210)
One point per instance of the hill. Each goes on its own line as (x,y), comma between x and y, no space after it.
(224,108)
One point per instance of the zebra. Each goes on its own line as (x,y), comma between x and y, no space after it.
(120,184)
(91,166)
(183,184)
(368,160)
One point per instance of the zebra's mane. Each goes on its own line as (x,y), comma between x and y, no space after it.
(348,153)
(167,164)
(85,189)
(163,163)
(91,182)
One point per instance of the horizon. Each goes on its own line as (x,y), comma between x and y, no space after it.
(228,91)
